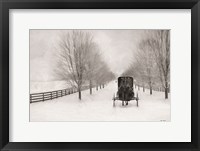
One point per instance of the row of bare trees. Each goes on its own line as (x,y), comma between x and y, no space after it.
(79,61)
(151,64)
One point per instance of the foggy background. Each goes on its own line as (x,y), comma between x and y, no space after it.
(117,49)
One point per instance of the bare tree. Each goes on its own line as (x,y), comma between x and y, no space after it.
(152,65)
(93,64)
(103,75)
(160,43)
(146,64)
(73,56)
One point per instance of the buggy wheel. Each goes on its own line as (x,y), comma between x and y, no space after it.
(114,103)
(137,99)
(114,100)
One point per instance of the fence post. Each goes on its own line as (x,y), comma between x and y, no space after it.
(30,98)
(51,95)
(43,96)
(56,94)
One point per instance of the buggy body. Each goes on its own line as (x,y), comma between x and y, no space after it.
(125,92)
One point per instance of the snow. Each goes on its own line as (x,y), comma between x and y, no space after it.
(45,86)
(99,107)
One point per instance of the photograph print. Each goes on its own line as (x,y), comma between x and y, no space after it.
(99,75)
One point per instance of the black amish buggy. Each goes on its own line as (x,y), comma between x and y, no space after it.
(125,91)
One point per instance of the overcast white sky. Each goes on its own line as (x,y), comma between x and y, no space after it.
(117,48)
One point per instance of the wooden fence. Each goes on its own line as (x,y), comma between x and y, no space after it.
(44,96)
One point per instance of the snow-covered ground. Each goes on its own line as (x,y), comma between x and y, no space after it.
(99,107)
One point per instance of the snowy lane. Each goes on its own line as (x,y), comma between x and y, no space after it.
(98,107)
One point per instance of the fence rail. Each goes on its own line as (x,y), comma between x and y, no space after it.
(44,96)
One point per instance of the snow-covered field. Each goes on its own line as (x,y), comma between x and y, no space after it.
(99,107)
(45,86)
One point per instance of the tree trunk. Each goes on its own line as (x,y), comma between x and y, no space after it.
(90,86)
(150,90)
(143,89)
(166,90)
(150,87)
(97,87)
(166,93)
(100,86)
(79,93)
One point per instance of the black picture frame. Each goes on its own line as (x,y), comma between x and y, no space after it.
(5,5)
